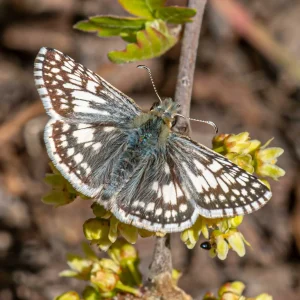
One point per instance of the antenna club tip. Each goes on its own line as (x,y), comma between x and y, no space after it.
(142,67)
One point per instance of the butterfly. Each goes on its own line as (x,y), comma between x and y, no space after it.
(131,161)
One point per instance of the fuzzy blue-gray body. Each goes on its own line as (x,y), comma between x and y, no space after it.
(142,142)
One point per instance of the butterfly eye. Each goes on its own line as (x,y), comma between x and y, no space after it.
(155,105)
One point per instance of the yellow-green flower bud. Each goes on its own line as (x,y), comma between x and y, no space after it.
(264,297)
(145,233)
(104,280)
(113,229)
(191,235)
(237,143)
(244,161)
(236,221)
(99,211)
(71,295)
(58,198)
(129,232)
(236,288)
(95,229)
(109,265)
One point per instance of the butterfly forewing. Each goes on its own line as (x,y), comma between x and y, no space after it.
(84,153)
(216,186)
(86,134)
(70,91)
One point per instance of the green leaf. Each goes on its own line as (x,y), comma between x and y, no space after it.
(175,15)
(142,8)
(154,41)
(111,25)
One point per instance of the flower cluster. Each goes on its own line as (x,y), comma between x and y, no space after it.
(106,276)
(234,291)
(222,234)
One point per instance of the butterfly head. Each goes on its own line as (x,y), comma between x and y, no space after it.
(167,110)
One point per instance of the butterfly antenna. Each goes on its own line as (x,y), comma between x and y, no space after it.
(151,78)
(202,121)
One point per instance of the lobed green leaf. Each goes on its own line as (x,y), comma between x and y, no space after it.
(154,41)
(142,8)
(175,14)
(112,25)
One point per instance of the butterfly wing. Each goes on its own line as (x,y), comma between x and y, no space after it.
(153,199)
(73,93)
(84,153)
(87,130)
(216,186)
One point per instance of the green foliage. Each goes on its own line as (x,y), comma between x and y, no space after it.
(234,291)
(148,34)
(105,276)
(154,41)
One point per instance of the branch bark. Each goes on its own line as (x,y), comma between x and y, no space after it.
(187,64)
(162,260)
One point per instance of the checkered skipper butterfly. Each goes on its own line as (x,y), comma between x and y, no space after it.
(131,161)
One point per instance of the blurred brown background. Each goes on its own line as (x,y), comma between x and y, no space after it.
(235,85)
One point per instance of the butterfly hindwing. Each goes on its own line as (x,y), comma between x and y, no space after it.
(217,187)
(153,199)
(71,92)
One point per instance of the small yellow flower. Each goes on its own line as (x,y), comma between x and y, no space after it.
(265,162)
(222,247)
(236,241)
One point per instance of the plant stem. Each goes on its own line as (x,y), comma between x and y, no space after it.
(162,259)
(187,64)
